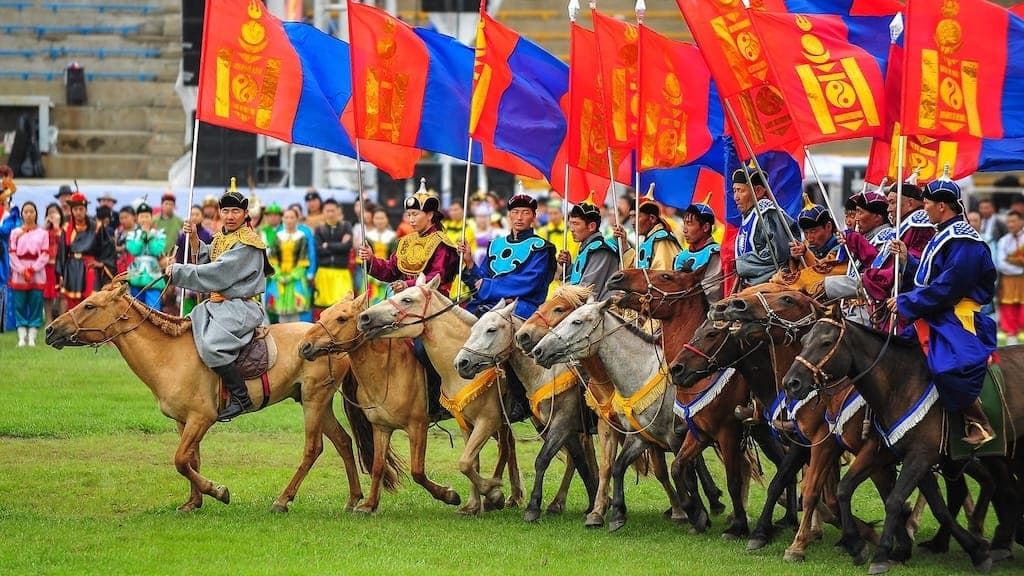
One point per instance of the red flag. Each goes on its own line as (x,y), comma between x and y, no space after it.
(617,49)
(246,54)
(674,84)
(956,66)
(833,89)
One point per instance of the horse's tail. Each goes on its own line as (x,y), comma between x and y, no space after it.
(642,465)
(362,431)
(756,472)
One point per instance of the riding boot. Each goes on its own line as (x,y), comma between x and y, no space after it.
(239,403)
(978,429)
(749,414)
(518,406)
(435,411)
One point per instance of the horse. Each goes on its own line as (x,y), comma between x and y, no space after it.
(632,359)
(677,299)
(160,350)
(422,311)
(391,391)
(554,396)
(600,396)
(749,330)
(900,394)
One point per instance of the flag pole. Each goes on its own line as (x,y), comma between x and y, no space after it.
(362,213)
(828,203)
(640,9)
(901,150)
(191,199)
(574,12)
(612,190)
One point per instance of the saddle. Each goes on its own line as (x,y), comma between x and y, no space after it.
(994,403)
(258,356)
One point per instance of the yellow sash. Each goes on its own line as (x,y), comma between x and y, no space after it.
(964,311)
(651,392)
(467,395)
(550,390)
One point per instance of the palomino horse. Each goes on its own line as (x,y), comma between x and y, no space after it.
(632,359)
(677,299)
(160,350)
(422,311)
(391,391)
(892,375)
(600,396)
(554,396)
(748,331)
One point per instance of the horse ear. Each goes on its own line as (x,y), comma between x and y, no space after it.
(512,304)
(699,273)
(421,280)
(501,304)
(434,283)
(121,289)
(605,304)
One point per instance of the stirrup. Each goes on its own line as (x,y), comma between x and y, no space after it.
(985,436)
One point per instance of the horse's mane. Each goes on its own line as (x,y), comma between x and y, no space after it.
(635,330)
(575,295)
(458,311)
(170,325)
(901,341)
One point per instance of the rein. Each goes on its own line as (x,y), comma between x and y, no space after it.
(421,318)
(822,378)
(123,316)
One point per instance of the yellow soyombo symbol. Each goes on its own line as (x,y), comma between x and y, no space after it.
(949,85)
(246,81)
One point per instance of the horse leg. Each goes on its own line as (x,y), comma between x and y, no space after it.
(552,444)
(772,449)
(417,433)
(695,510)
(557,504)
(956,489)
(986,492)
(381,443)
(313,417)
(515,479)
(632,448)
(822,462)
(577,453)
(785,475)
(914,521)
(977,548)
(868,458)
(332,428)
(609,440)
(659,466)
(737,469)
(489,488)
(707,482)
(195,499)
(191,436)
(1006,509)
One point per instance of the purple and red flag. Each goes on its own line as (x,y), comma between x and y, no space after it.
(518,94)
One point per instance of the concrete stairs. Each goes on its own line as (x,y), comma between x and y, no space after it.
(133,126)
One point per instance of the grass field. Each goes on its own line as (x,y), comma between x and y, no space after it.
(87,487)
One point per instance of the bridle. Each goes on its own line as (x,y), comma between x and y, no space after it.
(421,318)
(712,358)
(501,356)
(791,327)
(662,296)
(823,381)
(343,346)
(123,316)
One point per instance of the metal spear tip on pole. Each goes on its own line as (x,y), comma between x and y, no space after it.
(593,5)
(574,9)
(641,10)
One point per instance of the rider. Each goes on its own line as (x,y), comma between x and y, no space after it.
(659,247)
(427,251)
(954,277)
(760,249)
(820,240)
(873,223)
(598,257)
(520,265)
(702,250)
(233,268)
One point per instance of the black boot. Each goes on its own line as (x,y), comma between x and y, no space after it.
(518,406)
(239,403)
(976,425)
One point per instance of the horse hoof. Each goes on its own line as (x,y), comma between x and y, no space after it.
(513,502)
(717,508)
(615,525)
(934,546)
(861,557)
(1001,554)
(470,509)
(756,544)
(594,520)
(556,508)
(531,515)
(985,567)
(222,493)
(189,507)
(364,510)
(794,556)
(878,568)
(728,536)
(735,533)
(278,508)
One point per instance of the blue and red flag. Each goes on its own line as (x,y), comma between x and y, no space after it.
(518,95)
(261,76)
(960,80)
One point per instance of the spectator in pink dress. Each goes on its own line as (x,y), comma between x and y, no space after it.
(29,252)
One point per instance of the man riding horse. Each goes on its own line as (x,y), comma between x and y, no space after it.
(520,265)
(953,278)
(702,250)
(598,257)
(659,246)
(233,268)
(762,242)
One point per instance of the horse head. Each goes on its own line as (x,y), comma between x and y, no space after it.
(823,361)
(403,315)
(89,322)
(653,292)
(576,337)
(565,299)
(336,330)
(715,345)
(490,342)
(723,309)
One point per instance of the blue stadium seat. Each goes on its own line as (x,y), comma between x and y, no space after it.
(140,8)
(31,75)
(20,5)
(101,53)
(133,76)
(25,53)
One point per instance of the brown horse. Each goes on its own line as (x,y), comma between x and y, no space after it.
(391,391)
(160,350)
(422,311)
(677,300)
(600,396)
(892,375)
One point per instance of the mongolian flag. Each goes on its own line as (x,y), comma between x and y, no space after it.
(618,54)
(260,76)
(959,79)
(518,91)
(834,90)
(587,138)
(734,53)
(888,8)
(784,177)
(680,112)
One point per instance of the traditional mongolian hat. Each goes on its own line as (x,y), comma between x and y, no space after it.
(274,208)
(64,190)
(423,200)
(78,199)
(813,217)
(587,210)
(521,201)
(143,207)
(945,190)
(233,198)
(749,175)
(648,205)
(872,202)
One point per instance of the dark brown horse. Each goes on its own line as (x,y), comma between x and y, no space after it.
(892,375)
(677,300)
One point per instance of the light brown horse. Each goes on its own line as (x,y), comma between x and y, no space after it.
(392,391)
(421,311)
(160,350)
(600,393)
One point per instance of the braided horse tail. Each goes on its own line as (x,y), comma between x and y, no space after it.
(362,432)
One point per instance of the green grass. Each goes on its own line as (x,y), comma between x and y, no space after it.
(87,487)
